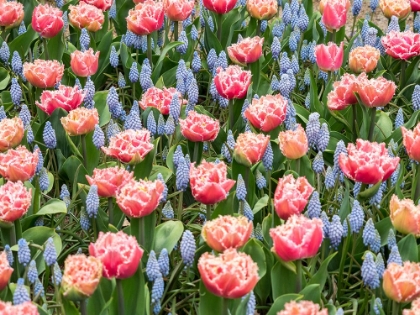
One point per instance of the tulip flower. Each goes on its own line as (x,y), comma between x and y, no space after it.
(109,180)
(26,308)
(250,148)
(159,99)
(119,253)
(86,16)
(402,45)
(11,13)
(402,283)
(19,164)
(15,200)
(329,57)
(236,276)
(227,232)
(129,146)
(84,64)
(415,308)
(364,59)
(178,10)
(367,162)
(267,112)
(233,82)
(262,9)
(11,133)
(104,5)
(302,308)
(66,97)
(80,121)
(291,196)
(376,92)
(405,216)
(5,271)
(411,141)
(43,73)
(334,14)
(138,199)
(415,5)
(343,93)
(248,50)
(219,6)
(399,8)
(298,238)
(293,143)
(81,276)
(47,20)
(199,128)
(145,18)
(208,182)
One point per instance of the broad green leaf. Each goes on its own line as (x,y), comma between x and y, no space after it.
(254,249)
(4,78)
(279,303)
(53,206)
(167,235)
(209,303)
(408,248)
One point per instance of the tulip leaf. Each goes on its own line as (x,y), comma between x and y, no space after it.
(225,207)
(4,78)
(383,128)
(157,68)
(102,297)
(167,235)
(69,307)
(281,280)
(261,203)
(92,153)
(312,293)
(71,171)
(279,303)
(321,275)
(164,171)
(316,105)
(53,206)
(408,248)
(383,228)
(102,107)
(104,48)
(263,287)
(210,304)
(254,249)
(369,192)
(142,170)
(22,43)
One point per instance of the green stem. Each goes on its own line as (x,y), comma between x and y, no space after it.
(37,197)
(225,306)
(417,191)
(142,231)
(270,206)
(120,294)
(231,115)
(83,307)
(111,210)
(176,26)
(44,42)
(195,154)
(402,74)
(241,207)
(95,229)
(354,24)
(333,36)
(84,151)
(208,212)
(395,308)
(372,123)
(259,27)
(219,27)
(342,263)
(149,49)
(298,275)
(354,107)
(180,209)
(298,165)
(12,235)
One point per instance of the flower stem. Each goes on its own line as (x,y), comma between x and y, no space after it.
(225,306)
(12,235)
(142,230)
(208,212)
(231,118)
(417,191)
(342,263)
(372,123)
(298,166)
(83,308)
(37,193)
(298,276)
(219,27)
(176,30)
(120,295)
(195,154)
(111,210)
(354,108)
(270,207)
(402,73)
(84,151)
(395,308)
(180,200)
(44,42)
(149,50)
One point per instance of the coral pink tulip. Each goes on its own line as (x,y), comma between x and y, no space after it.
(5,270)
(230,275)
(109,180)
(11,133)
(411,141)
(334,14)
(376,92)
(233,82)
(84,64)
(178,10)
(86,16)
(399,8)
(250,148)
(43,73)
(15,200)
(80,121)
(329,57)
(248,50)
(262,9)
(299,238)
(402,283)
(145,18)
(343,93)
(66,97)
(364,59)
(405,215)
(19,164)
(402,45)
(219,6)
(47,20)
(11,13)
(160,99)
(302,308)
(199,128)
(293,143)
(104,5)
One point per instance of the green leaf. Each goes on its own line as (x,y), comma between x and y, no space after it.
(105,49)
(261,203)
(369,192)
(408,248)
(209,303)
(24,41)
(102,296)
(279,303)
(69,169)
(53,206)
(321,275)
(383,128)
(4,78)
(92,153)
(102,107)
(142,170)
(282,279)
(167,235)
(312,293)
(254,249)
(158,66)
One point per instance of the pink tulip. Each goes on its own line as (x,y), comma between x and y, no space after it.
(402,45)
(248,50)
(329,57)
(250,148)
(334,14)
(66,97)
(85,63)
(47,20)
(199,127)
(233,82)
(411,141)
